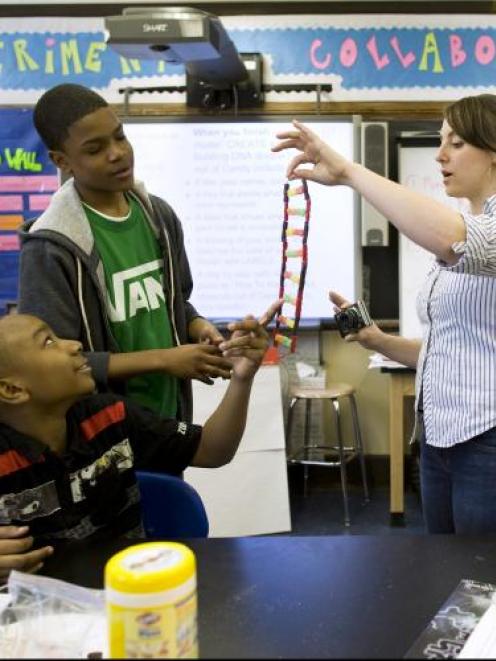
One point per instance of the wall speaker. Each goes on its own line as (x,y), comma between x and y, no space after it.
(374,155)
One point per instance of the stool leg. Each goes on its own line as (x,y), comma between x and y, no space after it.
(358,437)
(305,480)
(342,462)
(308,418)
(289,426)
(306,444)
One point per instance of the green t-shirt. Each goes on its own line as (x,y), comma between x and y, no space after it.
(136,306)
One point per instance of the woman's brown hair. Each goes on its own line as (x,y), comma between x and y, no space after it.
(473,118)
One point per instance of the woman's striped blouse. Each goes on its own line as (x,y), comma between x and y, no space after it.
(456,371)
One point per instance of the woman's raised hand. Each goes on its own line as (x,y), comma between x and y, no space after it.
(330,168)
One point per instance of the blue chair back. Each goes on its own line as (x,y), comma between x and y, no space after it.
(171,507)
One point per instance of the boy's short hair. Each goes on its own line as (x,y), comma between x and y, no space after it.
(9,326)
(60,107)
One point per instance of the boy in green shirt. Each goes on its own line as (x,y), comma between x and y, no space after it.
(105,264)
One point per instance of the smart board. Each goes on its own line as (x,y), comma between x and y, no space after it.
(226,186)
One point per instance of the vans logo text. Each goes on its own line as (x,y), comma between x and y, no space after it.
(144,291)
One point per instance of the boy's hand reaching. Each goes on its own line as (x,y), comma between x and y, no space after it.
(248,342)
(197,361)
(246,347)
(270,312)
(204,332)
(223,430)
(15,551)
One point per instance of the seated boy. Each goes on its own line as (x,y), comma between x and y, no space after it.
(68,456)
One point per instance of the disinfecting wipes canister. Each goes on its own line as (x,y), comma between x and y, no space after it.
(150,592)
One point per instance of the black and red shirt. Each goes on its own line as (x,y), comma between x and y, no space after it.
(91,489)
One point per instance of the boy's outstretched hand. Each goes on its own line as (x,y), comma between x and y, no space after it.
(248,342)
(246,347)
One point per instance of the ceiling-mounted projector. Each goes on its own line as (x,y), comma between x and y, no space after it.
(180,35)
(217,76)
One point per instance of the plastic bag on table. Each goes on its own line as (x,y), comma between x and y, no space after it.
(51,619)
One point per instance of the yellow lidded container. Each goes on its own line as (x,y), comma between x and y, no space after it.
(150,593)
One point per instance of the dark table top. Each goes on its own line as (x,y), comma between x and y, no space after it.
(346,596)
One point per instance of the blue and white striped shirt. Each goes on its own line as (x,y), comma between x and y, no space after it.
(456,370)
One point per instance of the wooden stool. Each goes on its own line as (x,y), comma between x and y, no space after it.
(322,455)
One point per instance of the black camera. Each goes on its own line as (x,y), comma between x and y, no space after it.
(352,318)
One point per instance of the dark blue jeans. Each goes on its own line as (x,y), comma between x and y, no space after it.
(459,486)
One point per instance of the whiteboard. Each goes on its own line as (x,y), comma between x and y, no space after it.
(419,171)
(226,186)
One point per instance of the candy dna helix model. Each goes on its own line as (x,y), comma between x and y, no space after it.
(294,264)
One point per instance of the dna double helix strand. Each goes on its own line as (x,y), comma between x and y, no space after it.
(294,252)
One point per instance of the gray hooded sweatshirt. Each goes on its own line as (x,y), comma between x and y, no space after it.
(62,280)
